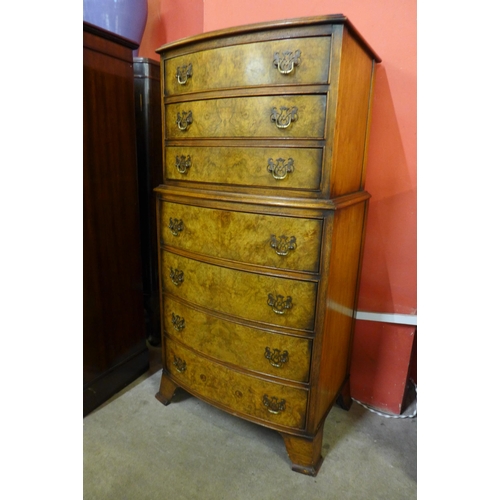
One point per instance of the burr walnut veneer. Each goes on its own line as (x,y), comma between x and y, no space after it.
(261,219)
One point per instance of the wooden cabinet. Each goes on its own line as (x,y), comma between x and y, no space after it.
(261,219)
(149,169)
(114,339)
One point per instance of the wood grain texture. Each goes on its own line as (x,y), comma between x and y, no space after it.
(240,303)
(249,65)
(235,343)
(239,293)
(334,355)
(167,389)
(304,452)
(244,237)
(245,166)
(284,28)
(248,117)
(352,117)
(234,390)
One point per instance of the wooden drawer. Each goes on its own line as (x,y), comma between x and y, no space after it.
(252,64)
(267,240)
(249,396)
(258,297)
(297,168)
(282,356)
(297,116)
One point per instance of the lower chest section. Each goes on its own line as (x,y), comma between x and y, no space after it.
(239,306)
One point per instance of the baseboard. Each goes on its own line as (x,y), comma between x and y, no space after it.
(114,380)
(399,319)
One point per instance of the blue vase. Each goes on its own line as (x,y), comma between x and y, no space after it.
(126,18)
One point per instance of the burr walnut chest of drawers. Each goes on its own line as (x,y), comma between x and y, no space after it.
(261,219)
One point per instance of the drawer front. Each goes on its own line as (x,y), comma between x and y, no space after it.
(278,62)
(282,356)
(297,168)
(267,240)
(248,117)
(269,401)
(285,302)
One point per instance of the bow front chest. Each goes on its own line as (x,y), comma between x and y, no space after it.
(261,219)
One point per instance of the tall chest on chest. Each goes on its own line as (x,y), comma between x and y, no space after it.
(261,219)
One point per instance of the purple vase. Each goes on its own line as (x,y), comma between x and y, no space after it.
(126,18)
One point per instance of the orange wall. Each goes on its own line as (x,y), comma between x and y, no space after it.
(169,20)
(388,282)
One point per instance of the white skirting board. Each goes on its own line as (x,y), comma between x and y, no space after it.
(399,319)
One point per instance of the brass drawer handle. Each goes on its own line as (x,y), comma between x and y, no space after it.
(276,358)
(287,61)
(183,163)
(284,244)
(273,405)
(178,322)
(284,117)
(177,276)
(176,226)
(280,168)
(279,304)
(180,364)
(183,73)
(184,120)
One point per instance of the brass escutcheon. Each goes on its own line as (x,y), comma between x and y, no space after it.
(276,357)
(284,117)
(284,244)
(273,405)
(183,73)
(177,276)
(184,120)
(279,169)
(183,163)
(279,304)
(286,61)
(176,226)
(178,322)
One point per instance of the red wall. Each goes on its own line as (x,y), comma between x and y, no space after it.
(382,351)
(169,20)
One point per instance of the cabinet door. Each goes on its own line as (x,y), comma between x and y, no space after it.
(114,341)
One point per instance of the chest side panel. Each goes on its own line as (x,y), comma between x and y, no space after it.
(355,85)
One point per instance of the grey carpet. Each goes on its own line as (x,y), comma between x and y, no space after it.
(137,449)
